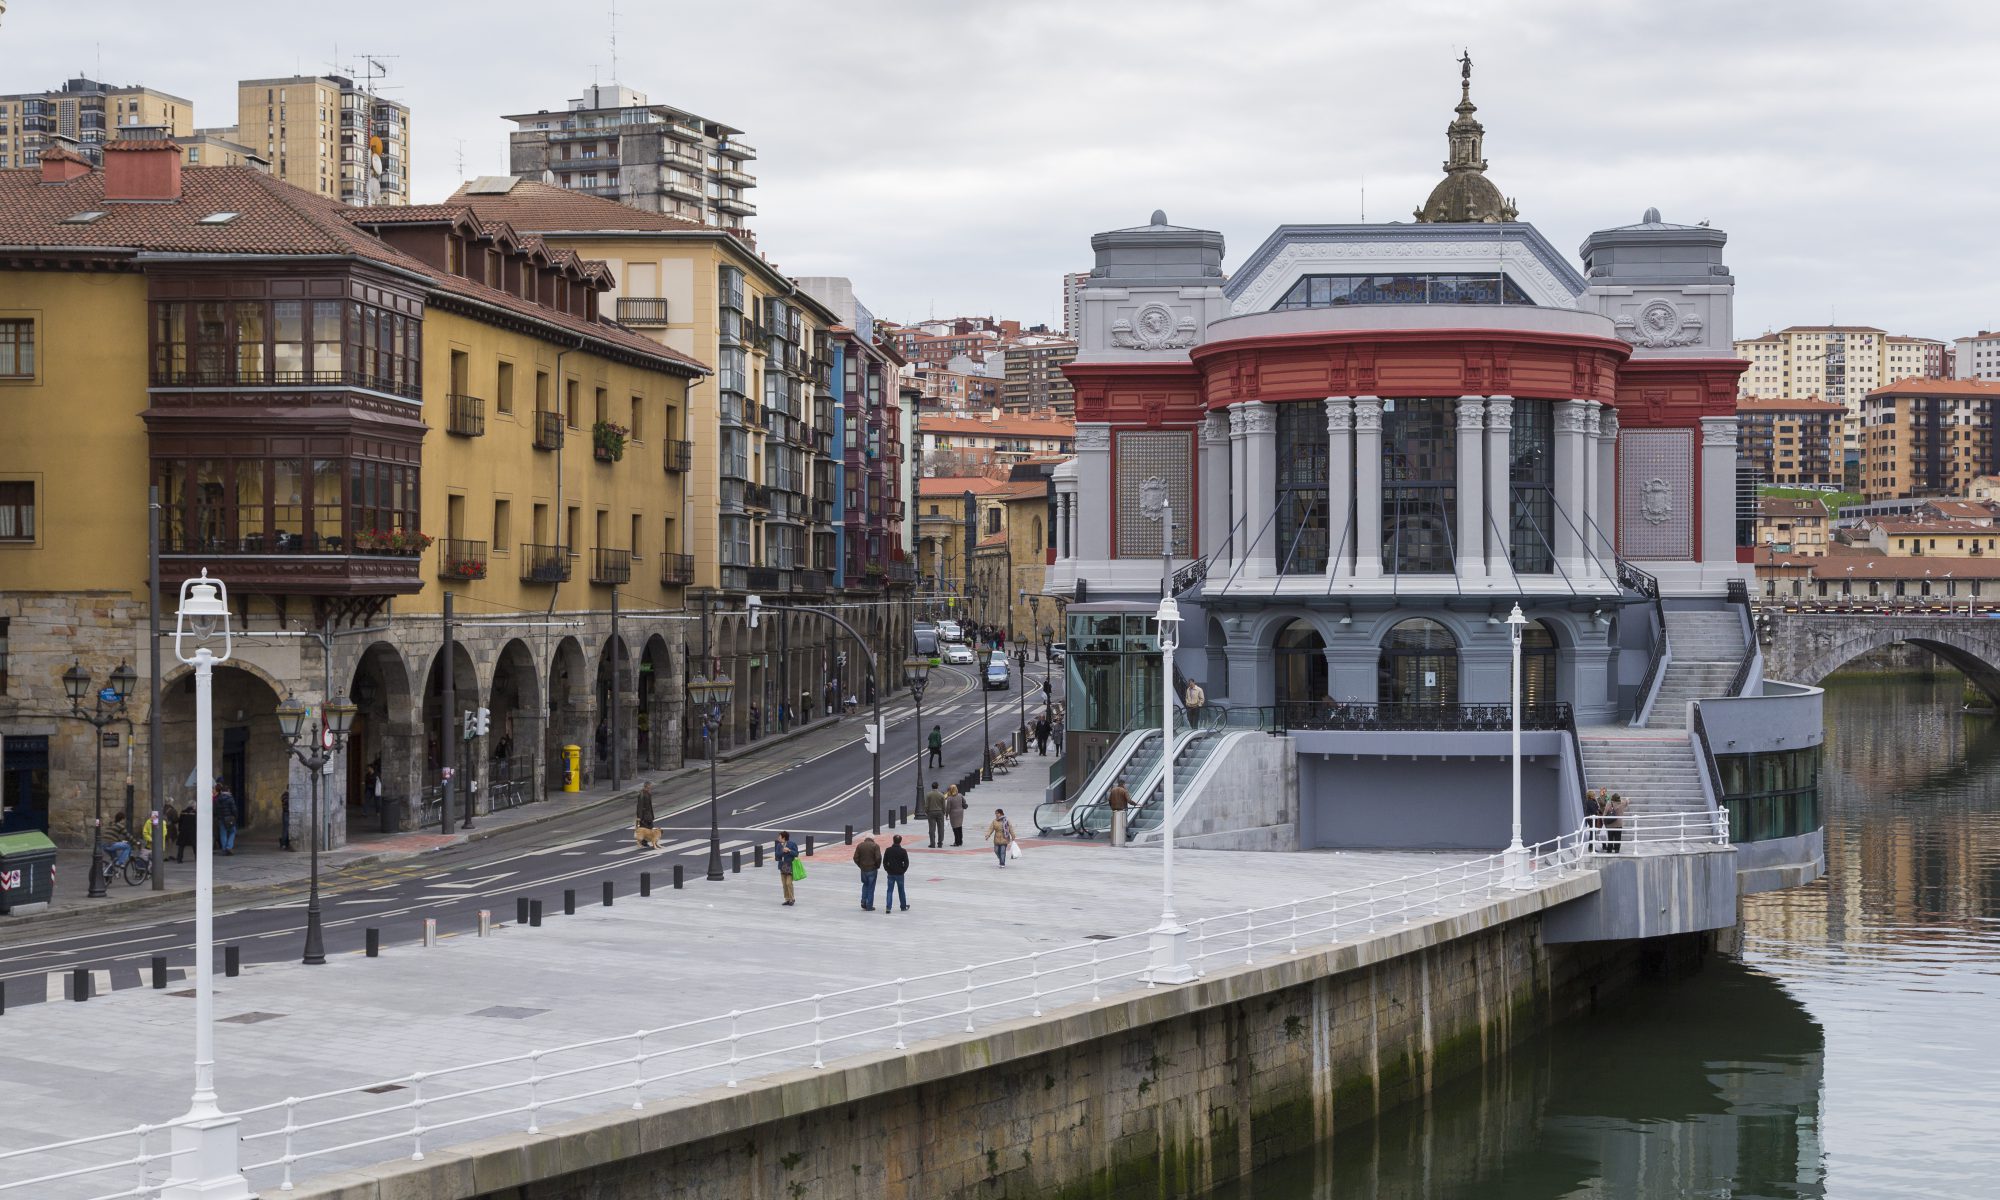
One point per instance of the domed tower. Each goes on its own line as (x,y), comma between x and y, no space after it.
(1465,194)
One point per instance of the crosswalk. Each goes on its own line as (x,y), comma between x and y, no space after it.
(55,986)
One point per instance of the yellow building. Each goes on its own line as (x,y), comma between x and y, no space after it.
(1010,549)
(354,418)
(1836,363)
(218,148)
(87,114)
(327,135)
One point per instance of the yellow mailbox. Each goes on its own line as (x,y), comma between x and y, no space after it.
(572,768)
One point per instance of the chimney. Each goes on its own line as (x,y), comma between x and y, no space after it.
(61,164)
(142,170)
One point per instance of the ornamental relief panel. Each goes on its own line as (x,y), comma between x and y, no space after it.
(1659,324)
(1155,327)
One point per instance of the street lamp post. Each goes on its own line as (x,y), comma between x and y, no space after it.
(985,717)
(1169,940)
(204,1141)
(107,708)
(1517,855)
(314,754)
(1021,683)
(714,696)
(916,673)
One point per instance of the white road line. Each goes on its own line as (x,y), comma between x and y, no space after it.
(682,847)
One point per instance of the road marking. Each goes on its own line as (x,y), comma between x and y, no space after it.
(682,847)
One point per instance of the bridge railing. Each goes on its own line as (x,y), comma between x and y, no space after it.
(1655,833)
(421,1111)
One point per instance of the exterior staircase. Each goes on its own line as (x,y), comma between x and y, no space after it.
(1708,648)
(1655,772)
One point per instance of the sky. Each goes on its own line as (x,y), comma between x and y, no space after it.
(954,158)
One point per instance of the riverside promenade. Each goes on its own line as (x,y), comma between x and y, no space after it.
(679,962)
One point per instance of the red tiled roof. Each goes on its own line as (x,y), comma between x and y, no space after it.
(1774,404)
(1931,528)
(955,485)
(1006,426)
(545,208)
(1917,385)
(272,218)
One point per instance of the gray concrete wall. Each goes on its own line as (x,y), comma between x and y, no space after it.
(1651,895)
(1392,790)
(1785,717)
(1780,863)
(1165,1092)
(1250,802)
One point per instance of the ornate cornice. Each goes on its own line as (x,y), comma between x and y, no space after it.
(1215,430)
(1569,417)
(1093,438)
(1368,414)
(1471,413)
(1500,413)
(1258,419)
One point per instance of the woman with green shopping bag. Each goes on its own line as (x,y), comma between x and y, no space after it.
(789,866)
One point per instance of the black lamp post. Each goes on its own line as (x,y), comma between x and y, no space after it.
(916,673)
(1035,618)
(314,752)
(107,708)
(713,695)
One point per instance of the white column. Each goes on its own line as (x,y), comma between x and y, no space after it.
(1593,542)
(1260,486)
(1339,486)
(1717,542)
(1607,482)
(1239,508)
(1471,493)
(1499,486)
(1062,525)
(1569,485)
(1093,492)
(1216,487)
(1367,487)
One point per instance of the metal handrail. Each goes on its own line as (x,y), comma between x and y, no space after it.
(1633,579)
(1652,833)
(523,1091)
(1739,595)
(1429,718)
(1700,731)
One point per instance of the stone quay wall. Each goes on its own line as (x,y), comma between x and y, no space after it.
(1163,1093)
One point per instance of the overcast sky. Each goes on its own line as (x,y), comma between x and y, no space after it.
(955,158)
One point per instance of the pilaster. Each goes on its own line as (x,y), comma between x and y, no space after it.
(1718,500)
(1092,537)
(1607,482)
(1259,490)
(1368,487)
(1592,519)
(1569,481)
(1470,551)
(1339,485)
(1499,484)
(1216,485)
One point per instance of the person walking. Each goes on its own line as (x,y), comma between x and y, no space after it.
(934,815)
(225,820)
(868,860)
(1042,735)
(937,747)
(1001,834)
(153,835)
(954,811)
(897,863)
(184,830)
(787,854)
(643,817)
(285,819)
(756,716)
(1118,801)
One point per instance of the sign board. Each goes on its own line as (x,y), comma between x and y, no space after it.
(10,881)
(109,739)
(108,695)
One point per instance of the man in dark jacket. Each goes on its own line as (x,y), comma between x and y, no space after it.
(937,747)
(1042,735)
(225,820)
(868,860)
(787,853)
(897,863)
(934,815)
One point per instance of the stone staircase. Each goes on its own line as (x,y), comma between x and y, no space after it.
(1654,772)
(1708,648)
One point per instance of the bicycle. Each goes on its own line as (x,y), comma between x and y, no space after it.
(136,869)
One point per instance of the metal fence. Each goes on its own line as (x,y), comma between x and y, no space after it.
(419,1111)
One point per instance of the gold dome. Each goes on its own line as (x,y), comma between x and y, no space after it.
(1465,194)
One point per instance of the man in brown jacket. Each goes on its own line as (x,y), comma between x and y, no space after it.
(868,859)
(1118,801)
(934,815)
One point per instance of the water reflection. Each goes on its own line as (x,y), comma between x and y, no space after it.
(1848,1054)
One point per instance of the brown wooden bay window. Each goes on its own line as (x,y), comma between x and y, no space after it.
(284,505)
(218,343)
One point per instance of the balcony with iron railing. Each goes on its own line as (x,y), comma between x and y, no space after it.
(548,430)
(610,565)
(679,455)
(459,558)
(467,417)
(544,564)
(676,570)
(642,310)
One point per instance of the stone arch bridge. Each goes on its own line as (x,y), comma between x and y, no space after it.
(1807,647)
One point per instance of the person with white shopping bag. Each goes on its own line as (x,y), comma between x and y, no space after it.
(1001,834)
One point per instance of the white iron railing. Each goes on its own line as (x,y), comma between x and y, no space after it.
(366,1124)
(1656,833)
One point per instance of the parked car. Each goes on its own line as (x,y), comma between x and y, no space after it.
(997,674)
(1057,652)
(958,654)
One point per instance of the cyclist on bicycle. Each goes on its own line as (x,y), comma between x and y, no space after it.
(120,840)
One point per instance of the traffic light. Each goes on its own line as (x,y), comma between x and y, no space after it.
(756,606)
(484,722)
(468,721)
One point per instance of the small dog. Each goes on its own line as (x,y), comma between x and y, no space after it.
(646,837)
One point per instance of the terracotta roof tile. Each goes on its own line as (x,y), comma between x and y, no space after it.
(544,208)
(1775,404)
(1916,385)
(949,486)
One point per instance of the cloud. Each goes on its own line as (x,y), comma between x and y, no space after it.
(955,157)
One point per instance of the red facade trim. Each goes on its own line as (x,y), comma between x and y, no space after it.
(1410,362)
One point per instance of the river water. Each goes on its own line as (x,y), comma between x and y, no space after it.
(1851,1051)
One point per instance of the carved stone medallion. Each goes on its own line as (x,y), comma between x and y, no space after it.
(1660,325)
(1153,327)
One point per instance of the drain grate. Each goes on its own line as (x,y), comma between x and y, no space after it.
(508,1012)
(249,1018)
(189,994)
(380,1088)
(1099,937)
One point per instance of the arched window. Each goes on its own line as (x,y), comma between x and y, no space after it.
(1300,659)
(1419,666)
(1038,543)
(1538,666)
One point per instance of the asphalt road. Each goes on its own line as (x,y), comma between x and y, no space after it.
(818,796)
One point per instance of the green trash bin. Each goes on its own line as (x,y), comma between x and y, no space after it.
(27,870)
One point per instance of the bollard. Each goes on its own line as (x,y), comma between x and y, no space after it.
(485,922)
(430,932)
(677,876)
(645,883)
(159,972)
(757,855)
(79,983)
(902,814)
(847,838)
(809,845)
(534,914)
(375,943)
(736,861)
(520,910)
(569,902)
(607,893)
(232,961)
(3,997)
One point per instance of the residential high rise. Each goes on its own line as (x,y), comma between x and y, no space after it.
(1035,379)
(612,142)
(86,112)
(1977,357)
(328,135)
(1929,437)
(1791,442)
(1841,363)
(1072,302)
